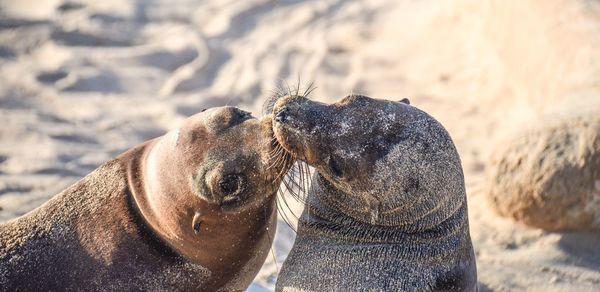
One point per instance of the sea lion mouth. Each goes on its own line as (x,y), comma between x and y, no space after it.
(297,180)
(284,105)
(289,135)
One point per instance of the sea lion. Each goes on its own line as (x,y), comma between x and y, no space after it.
(387,208)
(191,210)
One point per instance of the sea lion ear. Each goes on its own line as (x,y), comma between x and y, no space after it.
(405,100)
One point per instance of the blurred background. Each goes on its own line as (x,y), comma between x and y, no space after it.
(82,81)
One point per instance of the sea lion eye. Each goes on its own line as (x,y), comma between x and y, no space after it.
(335,167)
(231,186)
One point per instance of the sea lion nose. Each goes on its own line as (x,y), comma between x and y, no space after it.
(282,115)
(287,107)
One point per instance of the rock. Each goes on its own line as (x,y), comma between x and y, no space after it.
(548,176)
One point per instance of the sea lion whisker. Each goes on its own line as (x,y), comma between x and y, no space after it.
(293,175)
(272,166)
(274,141)
(271,163)
(294,188)
(290,183)
(282,213)
(286,155)
(274,96)
(271,160)
(271,154)
(297,183)
(278,149)
(286,176)
(304,178)
(298,86)
(282,172)
(292,191)
(300,182)
(276,165)
(279,160)
(310,85)
(295,179)
(289,90)
(300,166)
(288,207)
(279,163)
(309,92)
(274,153)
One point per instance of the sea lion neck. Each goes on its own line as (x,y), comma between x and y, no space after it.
(137,178)
(137,196)
(324,214)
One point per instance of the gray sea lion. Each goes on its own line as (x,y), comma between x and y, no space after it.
(191,210)
(387,209)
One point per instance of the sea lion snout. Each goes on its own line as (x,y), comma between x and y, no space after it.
(295,109)
(282,116)
(294,124)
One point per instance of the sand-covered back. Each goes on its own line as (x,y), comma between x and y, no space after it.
(82,81)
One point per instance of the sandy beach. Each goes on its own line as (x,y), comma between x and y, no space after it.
(82,81)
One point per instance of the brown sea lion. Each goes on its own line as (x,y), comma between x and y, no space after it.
(192,210)
(387,209)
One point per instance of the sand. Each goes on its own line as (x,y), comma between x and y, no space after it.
(82,81)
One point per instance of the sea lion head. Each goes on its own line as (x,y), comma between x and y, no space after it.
(207,190)
(380,162)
